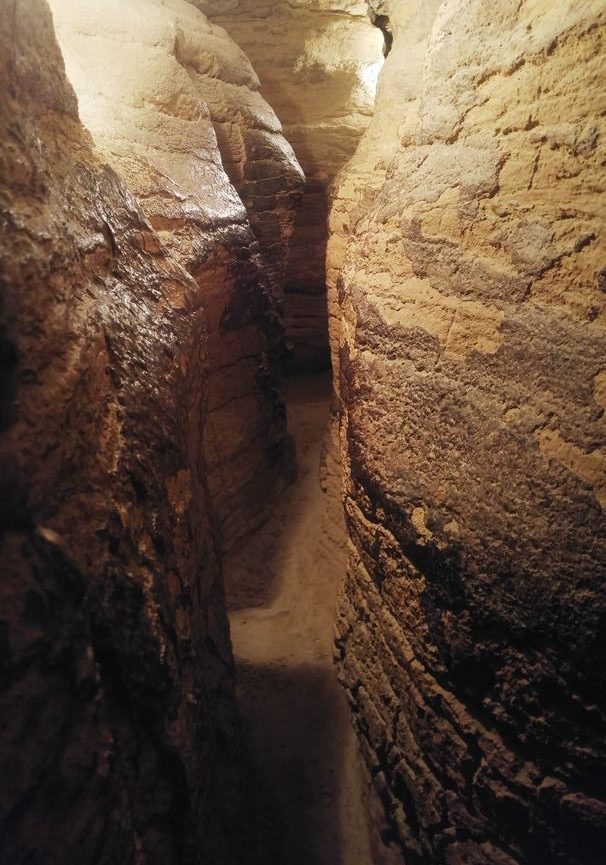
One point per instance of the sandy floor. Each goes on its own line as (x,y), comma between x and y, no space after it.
(281,590)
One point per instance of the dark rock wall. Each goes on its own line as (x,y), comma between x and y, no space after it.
(117,730)
(472,350)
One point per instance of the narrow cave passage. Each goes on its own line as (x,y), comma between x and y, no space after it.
(150,239)
(318,66)
(281,590)
(282,582)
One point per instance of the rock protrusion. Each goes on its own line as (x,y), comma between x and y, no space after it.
(173,103)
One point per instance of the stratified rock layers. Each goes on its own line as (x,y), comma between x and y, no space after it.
(173,103)
(472,630)
(117,731)
(318,61)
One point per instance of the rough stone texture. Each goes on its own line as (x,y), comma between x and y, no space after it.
(116,711)
(172,102)
(472,631)
(356,186)
(318,61)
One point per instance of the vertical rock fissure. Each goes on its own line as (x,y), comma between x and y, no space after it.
(318,65)
(379,16)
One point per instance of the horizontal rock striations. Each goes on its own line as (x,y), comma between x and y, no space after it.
(173,104)
(318,63)
(472,349)
(356,186)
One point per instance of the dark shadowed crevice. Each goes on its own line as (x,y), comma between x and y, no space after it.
(382,22)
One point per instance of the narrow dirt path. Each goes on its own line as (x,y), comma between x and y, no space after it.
(281,591)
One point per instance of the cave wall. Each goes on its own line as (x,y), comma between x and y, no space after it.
(318,62)
(356,186)
(467,268)
(173,103)
(119,741)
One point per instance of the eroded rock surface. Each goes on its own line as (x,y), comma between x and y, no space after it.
(318,62)
(356,186)
(173,103)
(472,352)
(117,730)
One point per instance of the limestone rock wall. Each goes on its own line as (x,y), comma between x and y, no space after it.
(356,186)
(173,103)
(472,356)
(118,741)
(318,62)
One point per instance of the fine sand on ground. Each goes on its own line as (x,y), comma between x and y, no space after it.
(281,590)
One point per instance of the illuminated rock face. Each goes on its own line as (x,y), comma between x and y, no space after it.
(173,103)
(356,186)
(116,698)
(472,351)
(318,63)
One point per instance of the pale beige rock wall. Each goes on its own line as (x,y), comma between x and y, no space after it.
(318,63)
(472,354)
(355,187)
(173,104)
